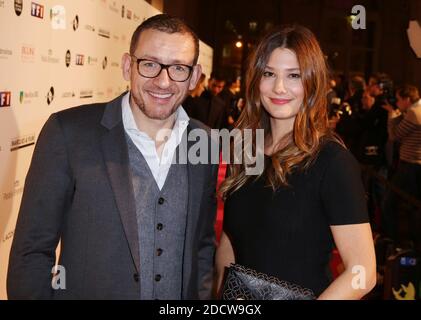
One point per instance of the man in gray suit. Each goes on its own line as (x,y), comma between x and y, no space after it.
(133,224)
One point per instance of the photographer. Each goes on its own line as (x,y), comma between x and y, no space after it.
(404,125)
(350,112)
(371,145)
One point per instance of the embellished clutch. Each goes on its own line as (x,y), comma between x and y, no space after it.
(247,284)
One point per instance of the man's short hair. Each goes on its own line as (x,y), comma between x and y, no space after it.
(168,24)
(379,76)
(357,83)
(408,91)
(217,75)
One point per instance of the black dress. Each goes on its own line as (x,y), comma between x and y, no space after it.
(286,233)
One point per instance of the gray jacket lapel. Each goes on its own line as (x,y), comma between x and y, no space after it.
(114,148)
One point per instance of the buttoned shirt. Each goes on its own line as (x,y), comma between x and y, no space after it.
(146,145)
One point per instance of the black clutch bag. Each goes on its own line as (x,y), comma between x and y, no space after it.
(246,284)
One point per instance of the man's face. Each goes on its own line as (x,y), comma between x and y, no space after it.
(367,100)
(158,98)
(374,87)
(402,103)
(216,86)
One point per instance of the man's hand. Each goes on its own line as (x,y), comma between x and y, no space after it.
(388,107)
(392,112)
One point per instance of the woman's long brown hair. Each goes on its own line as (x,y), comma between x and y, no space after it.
(299,148)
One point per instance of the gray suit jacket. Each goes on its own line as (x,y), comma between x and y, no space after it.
(78,191)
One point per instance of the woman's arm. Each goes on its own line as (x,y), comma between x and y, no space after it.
(224,257)
(356,247)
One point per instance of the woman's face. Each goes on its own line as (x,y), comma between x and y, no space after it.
(281,86)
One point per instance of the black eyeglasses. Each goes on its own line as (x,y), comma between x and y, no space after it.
(152,69)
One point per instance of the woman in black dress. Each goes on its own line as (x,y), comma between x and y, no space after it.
(309,198)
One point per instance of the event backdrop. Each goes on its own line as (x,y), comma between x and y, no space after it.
(55,55)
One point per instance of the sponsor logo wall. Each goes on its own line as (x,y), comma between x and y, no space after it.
(53,57)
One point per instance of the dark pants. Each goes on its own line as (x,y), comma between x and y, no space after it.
(408,179)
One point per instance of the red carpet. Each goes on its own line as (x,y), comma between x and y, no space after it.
(220,213)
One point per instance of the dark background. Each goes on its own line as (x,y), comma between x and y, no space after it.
(382,47)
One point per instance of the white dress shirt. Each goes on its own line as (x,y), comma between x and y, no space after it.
(146,145)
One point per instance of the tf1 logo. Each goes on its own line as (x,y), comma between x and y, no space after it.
(80,59)
(5,98)
(37,10)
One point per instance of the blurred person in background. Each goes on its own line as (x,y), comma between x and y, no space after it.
(404,126)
